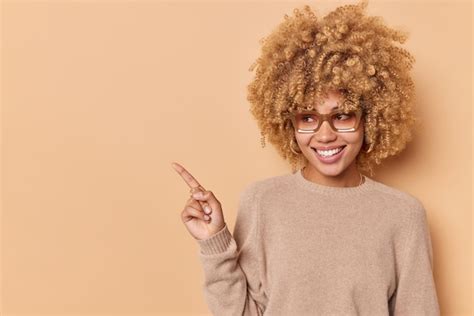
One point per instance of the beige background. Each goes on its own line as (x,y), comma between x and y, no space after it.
(98,97)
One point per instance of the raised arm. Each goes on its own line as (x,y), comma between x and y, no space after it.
(232,283)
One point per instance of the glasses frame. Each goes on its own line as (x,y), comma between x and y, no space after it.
(325,117)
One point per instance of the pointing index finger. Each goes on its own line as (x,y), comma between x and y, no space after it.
(187,177)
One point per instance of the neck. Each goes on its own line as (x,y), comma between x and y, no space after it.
(350,177)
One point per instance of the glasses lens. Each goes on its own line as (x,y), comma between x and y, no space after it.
(342,121)
(307,121)
(310,120)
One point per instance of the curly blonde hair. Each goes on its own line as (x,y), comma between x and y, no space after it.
(347,51)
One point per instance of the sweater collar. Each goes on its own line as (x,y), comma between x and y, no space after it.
(330,190)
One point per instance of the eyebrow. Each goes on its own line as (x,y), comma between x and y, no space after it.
(335,107)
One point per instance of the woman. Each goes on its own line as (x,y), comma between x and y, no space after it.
(334,96)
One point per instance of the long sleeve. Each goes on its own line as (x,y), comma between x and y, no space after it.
(232,284)
(416,291)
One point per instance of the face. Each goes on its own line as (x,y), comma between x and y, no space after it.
(341,164)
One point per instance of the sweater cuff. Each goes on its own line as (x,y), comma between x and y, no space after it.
(217,243)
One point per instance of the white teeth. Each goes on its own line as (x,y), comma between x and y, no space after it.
(327,153)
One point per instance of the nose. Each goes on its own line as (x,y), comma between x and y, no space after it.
(325,133)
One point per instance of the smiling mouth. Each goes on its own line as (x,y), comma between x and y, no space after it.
(335,153)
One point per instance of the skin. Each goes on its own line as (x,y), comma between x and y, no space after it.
(344,172)
(193,214)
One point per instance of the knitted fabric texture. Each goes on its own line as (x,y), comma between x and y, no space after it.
(301,248)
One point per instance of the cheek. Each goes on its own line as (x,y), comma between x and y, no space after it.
(303,139)
(358,136)
(355,138)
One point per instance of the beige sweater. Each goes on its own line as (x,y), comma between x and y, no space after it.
(300,248)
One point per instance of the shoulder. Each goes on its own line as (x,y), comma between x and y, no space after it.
(401,201)
(270,185)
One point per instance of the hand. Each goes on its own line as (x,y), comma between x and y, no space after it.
(201,225)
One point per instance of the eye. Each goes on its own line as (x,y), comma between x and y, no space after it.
(343,117)
(304,117)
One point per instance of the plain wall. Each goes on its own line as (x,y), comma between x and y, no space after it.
(99,97)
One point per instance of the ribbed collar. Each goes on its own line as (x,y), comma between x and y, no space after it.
(366,186)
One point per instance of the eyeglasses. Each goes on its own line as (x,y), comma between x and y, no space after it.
(310,121)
